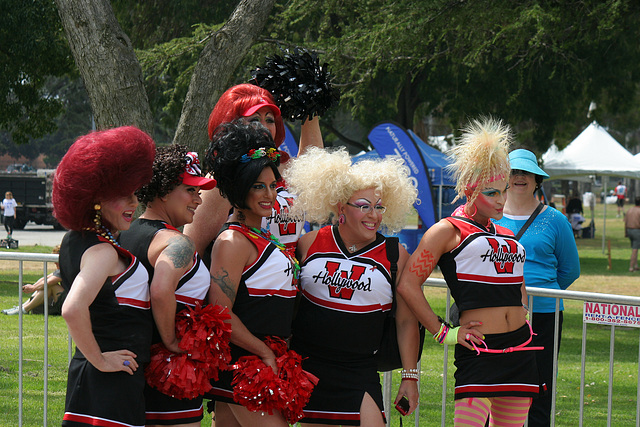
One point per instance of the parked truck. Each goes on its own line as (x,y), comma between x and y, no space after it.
(32,191)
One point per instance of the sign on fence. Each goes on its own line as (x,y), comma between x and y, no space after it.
(611,314)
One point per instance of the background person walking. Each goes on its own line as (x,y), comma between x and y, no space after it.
(621,194)
(9,206)
(632,231)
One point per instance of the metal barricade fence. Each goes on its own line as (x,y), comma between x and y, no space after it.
(387,392)
(388,396)
(45,259)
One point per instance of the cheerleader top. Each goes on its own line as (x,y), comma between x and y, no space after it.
(486,268)
(120,313)
(266,293)
(194,283)
(282,224)
(346,297)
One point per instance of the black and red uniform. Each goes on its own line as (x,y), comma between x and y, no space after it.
(486,270)
(193,286)
(264,301)
(120,319)
(339,325)
(283,225)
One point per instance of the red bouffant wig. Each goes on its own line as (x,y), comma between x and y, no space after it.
(100,166)
(238,99)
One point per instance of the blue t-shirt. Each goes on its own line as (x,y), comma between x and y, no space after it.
(552,256)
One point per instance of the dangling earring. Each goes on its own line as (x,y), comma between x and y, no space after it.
(101,229)
(97,220)
(474,212)
(241,216)
(341,219)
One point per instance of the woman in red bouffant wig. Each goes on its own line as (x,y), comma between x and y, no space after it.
(107,307)
(242,99)
(252,104)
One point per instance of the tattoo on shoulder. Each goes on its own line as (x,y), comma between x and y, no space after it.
(224,283)
(180,251)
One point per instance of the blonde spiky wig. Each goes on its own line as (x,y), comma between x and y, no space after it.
(480,156)
(321,179)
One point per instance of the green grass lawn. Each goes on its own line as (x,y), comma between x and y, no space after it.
(596,277)
(33,356)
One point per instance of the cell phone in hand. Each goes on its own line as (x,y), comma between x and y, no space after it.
(403,406)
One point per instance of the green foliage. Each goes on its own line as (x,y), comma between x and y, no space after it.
(75,120)
(32,48)
(535,64)
(168,68)
(169,37)
(155,22)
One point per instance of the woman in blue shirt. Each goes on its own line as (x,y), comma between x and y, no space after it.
(552,263)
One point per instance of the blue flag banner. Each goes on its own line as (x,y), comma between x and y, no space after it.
(390,139)
(289,144)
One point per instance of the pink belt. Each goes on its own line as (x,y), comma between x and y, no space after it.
(519,347)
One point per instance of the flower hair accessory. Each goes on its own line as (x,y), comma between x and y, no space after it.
(256,153)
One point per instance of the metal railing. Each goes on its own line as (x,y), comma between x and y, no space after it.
(21,258)
(551,293)
(387,392)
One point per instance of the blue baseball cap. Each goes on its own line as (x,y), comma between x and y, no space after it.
(525,160)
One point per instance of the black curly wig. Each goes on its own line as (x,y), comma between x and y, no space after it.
(230,142)
(168,165)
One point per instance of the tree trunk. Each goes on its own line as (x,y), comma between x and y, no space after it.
(107,62)
(408,99)
(220,57)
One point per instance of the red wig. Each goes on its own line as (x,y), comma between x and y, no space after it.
(100,166)
(238,99)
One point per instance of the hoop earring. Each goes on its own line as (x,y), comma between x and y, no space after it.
(97,219)
(475,211)
(342,219)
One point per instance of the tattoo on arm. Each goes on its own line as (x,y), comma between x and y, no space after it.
(423,265)
(225,284)
(180,251)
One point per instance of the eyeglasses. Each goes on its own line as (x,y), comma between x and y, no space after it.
(365,209)
(520,172)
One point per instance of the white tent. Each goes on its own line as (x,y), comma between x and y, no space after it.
(593,152)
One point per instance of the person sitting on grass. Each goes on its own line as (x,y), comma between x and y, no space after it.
(56,294)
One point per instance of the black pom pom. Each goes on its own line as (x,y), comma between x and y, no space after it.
(300,86)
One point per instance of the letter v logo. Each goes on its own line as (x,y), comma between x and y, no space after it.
(500,265)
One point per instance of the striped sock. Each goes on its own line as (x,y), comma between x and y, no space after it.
(509,411)
(471,412)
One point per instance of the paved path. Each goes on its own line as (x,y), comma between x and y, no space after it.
(34,234)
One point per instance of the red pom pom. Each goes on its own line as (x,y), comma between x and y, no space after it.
(258,388)
(204,335)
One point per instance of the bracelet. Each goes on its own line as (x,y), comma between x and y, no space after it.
(442,333)
(410,374)
(525,306)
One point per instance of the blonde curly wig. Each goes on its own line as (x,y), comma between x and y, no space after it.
(322,178)
(480,156)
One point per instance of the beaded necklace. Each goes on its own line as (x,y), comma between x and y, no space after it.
(288,252)
(105,233)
